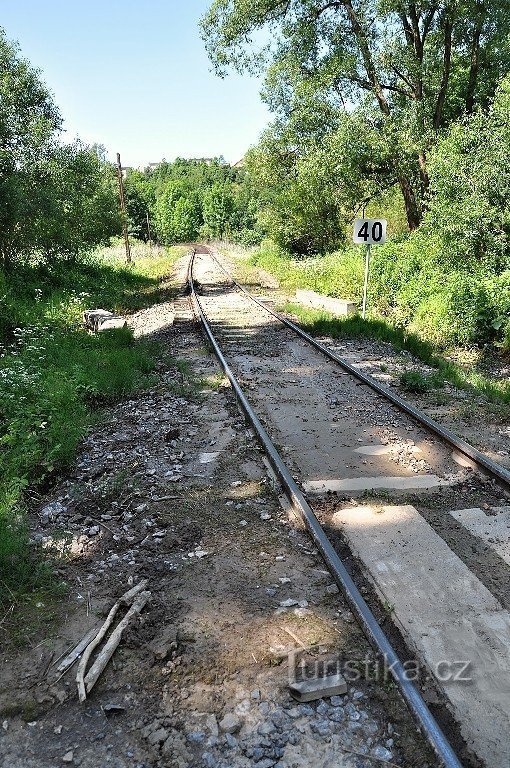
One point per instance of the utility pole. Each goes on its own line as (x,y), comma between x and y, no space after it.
(149,230)
(123,209)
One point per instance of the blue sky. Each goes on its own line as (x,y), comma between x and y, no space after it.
(133,75)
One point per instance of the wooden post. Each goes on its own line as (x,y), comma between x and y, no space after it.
(123,209)
(149,229)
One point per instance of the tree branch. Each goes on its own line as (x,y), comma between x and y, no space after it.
(333,4)
(367,85)
(447,60)
(366,55)
(402,77)
(475,57)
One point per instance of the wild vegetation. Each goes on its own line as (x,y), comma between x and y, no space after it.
(400,110)
(58,203)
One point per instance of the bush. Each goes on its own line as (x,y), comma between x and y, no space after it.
(53,373)
(338,274)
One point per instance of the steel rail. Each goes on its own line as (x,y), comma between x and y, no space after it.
(492,468)
(376,636)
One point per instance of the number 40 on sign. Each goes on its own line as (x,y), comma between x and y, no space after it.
(369,232)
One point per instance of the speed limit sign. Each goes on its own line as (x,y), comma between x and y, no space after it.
(370,231)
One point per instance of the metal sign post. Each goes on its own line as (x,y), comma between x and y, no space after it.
(365,286)
(368,232)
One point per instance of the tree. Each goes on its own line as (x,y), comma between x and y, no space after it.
(419,64)
(178,213)
(470,181)
(29,122)
(55,199)
(78,207)
(140,199)
(218,207)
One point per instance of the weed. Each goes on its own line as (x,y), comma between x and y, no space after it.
(319,323)
(414,381)
(53,374)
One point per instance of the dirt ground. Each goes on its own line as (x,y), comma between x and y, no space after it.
(170,486)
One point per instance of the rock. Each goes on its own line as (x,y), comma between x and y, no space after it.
(112,709)
(230,723)
(94,530)
(162,646)
(382,753)
(209,761)
(196,737)
(289,603)
(322,727)
(336,701)
(332,589)
(158,737)
(102,320)
(266,729)
(68,757)
(231,740)
(50,512)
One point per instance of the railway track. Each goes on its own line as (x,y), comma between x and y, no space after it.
(327,414)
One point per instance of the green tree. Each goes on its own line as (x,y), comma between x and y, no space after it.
(420,65)
(470,182)
(29,122)
(78,202)
(218,208)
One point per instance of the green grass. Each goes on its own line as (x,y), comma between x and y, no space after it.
(414,381)
(338,274)
(54,375)
(320,323)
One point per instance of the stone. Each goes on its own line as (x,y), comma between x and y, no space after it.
(231,740)
(50,512)
(266,728)
(230,723)
(311,690)
(381,753)
(352,712)
(102,320)
(322,727)
(337,307)
(68,757)
(158,737)
(196,737)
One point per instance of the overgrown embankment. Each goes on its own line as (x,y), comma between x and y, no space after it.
(454,323)
(53,375)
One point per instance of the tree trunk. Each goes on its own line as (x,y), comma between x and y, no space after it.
(412,212)
(475,61)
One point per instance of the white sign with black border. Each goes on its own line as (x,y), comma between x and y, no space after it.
(369,231)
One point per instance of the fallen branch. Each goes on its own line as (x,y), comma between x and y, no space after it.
(72,655)
(126,599)
(109,649)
